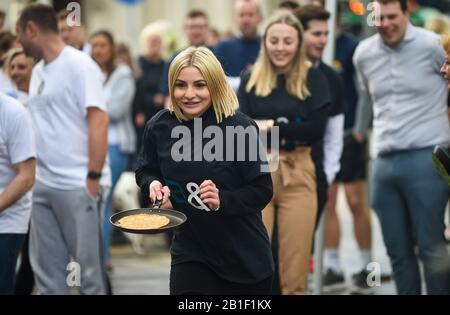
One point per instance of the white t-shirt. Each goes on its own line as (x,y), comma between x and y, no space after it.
(333,144)
(16,146)
(6,85)
(60,94)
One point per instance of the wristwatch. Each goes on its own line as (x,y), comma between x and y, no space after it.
(94,175)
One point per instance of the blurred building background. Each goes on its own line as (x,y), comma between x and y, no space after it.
(126,18)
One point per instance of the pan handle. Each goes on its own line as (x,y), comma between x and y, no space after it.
(157,203)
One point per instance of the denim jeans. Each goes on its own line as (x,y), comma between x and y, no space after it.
(410,197)
(10,246)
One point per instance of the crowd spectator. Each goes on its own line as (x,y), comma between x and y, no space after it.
(285,91)
(410,118)
(71,124)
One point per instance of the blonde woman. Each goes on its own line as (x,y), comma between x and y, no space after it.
(284,90)
(440,25)
(223,248)
(20,67)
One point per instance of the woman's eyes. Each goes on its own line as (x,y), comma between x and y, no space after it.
(286,42)
(183,85)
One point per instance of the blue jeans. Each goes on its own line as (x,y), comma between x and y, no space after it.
(10,245)
(410,197)
(118,164)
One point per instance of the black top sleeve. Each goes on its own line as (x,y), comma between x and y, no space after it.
(148,168)
(339,102)
(308,131)
(251,198)
(336,88)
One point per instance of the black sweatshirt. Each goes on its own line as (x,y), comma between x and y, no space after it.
(306,120)
(232,241)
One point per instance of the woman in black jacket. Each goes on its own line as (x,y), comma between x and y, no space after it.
(191,161)
(284,91)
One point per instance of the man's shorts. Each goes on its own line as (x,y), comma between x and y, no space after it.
(353,161)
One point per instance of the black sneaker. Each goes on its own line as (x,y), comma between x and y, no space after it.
(333,281)
(360,285)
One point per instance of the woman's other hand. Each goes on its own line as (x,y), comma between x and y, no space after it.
(209,194)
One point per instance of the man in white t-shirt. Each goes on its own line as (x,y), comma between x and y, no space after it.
(71,124)
(17,169)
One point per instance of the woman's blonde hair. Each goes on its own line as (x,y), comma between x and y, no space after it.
(445,42)
(12,54)
(223,97)
(264,76)
(440,25)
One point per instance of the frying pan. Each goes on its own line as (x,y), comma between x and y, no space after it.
(441,158)
(176,219)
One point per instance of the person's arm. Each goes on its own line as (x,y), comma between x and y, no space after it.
(363,115)
(333,146)
(20,185)
(306,131)
(98,145)
(148,169)
(122,93)
(252,198)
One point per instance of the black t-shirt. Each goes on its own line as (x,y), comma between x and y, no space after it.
(336,88)
(300,122)
(232,241)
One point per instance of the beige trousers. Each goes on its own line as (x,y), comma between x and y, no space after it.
(294,186)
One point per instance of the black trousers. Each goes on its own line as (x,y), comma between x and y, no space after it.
(195,278)
(25,276)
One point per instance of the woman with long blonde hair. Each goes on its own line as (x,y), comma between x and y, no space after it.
(283,91)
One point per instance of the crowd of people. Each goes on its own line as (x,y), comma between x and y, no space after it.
(77,111)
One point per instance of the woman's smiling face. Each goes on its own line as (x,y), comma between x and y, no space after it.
(191,92)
